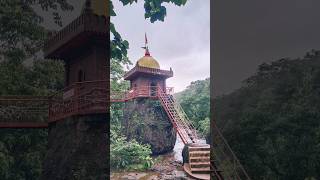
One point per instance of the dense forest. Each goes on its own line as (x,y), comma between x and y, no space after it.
(272,121)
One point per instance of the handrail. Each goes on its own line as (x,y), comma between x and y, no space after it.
(239,173)
(181,120)
(23,109)
(141,91)
(85,97)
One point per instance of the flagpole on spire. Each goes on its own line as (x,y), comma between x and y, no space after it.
(147,53)
(146,39)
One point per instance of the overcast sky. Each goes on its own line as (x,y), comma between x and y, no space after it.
(182,41)
(249,32)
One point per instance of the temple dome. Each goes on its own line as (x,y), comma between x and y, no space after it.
(149,62)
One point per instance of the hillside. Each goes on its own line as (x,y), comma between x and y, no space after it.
(272,121)
(195,101)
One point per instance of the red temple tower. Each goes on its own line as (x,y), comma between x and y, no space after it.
(144,119)
(146,77)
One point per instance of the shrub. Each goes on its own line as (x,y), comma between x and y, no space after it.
(129,155)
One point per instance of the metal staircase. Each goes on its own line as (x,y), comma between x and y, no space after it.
(199,156)
(178,118)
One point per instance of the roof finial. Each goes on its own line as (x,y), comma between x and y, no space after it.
(147,53)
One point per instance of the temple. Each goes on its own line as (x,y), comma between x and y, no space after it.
(147,77)
(144,118)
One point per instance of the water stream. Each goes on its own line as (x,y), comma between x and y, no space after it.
(177,150)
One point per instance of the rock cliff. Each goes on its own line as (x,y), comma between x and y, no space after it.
(146,121)
(83,153)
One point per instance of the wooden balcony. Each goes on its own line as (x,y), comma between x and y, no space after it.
(90,97)
(138,92)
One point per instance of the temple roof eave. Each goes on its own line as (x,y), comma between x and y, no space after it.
(150,71)
(83,28)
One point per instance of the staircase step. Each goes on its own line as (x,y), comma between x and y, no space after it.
(199,148)
(200,170)
(200,164)
(199,153)
(199,159)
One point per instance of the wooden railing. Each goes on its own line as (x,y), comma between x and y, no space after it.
(178,118)
(141,91)
(80,98)
(24,111)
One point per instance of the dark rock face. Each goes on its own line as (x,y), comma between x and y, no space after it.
(146,121)
(78,149)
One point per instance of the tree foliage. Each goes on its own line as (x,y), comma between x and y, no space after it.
(20,29)
(195,101)
(129,155)
(22,73)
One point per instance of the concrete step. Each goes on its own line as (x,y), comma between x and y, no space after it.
(200,148)
(200,164)
(200,170)
(199,159)
(199,153)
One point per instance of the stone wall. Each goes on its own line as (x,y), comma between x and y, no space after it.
(78,149)
(146,121)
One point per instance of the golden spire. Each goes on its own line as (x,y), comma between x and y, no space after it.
(147,60)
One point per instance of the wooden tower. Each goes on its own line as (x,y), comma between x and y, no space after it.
(79,114)
(83,46)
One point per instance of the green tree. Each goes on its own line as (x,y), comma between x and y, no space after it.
(195,101)
(21,36)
